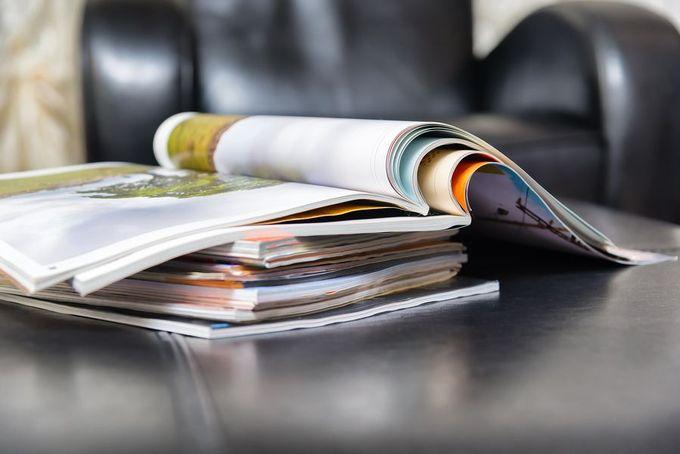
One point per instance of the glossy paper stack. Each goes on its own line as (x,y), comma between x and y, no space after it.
(260,279)
(258,218)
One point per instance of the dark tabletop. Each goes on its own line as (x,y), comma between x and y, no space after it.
(572,355)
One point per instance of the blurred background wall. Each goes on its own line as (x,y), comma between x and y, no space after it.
(40,117)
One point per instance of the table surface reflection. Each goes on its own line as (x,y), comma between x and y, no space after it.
(572,354)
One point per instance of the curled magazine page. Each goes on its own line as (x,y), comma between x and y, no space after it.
(441,178)
(416,161)
(338,152)
(575,222)
(376,156)
(503,206)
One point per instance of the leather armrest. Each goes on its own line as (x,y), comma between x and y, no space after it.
(613,65)
(137,70)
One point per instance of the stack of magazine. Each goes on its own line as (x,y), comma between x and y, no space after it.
(264,223)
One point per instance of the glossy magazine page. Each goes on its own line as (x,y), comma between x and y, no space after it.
(418,161)
(58,222)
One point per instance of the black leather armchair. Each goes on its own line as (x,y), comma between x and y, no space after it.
(585,95)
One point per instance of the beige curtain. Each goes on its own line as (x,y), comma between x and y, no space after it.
(40,120)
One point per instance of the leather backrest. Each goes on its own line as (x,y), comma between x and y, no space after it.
(143,60)
(136,71)
(378,58)
(614,65)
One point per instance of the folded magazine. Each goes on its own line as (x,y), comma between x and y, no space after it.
(344,209)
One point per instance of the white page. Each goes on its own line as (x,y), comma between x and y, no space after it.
(339,152)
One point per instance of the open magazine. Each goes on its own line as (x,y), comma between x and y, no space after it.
(223,179)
